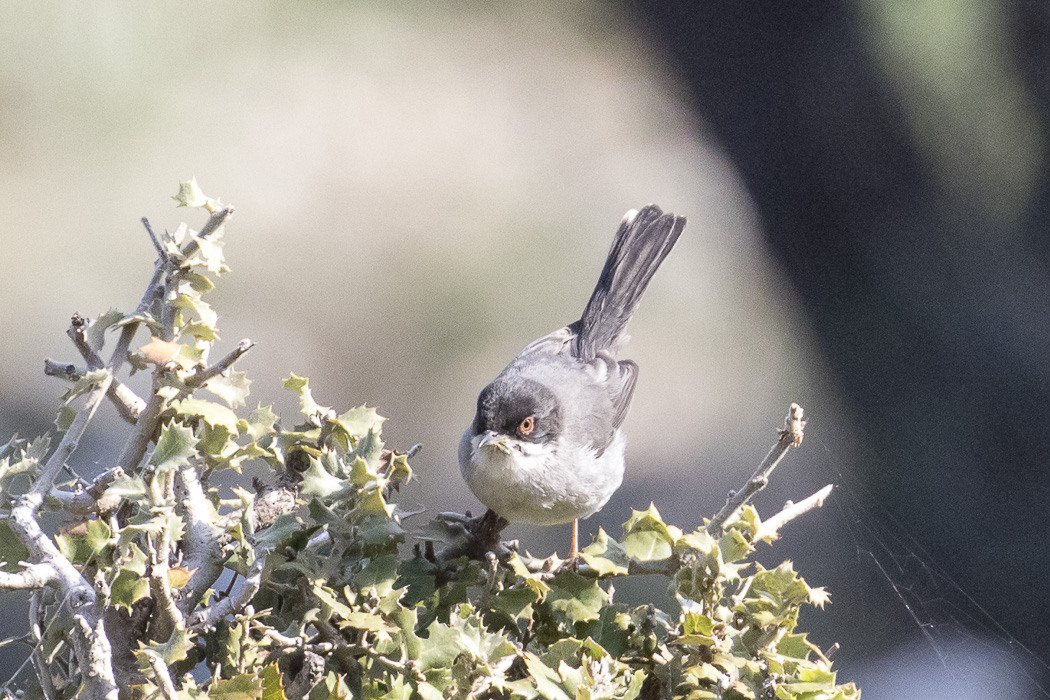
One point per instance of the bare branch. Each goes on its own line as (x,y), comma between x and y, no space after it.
(790,436)
(216,220)
(145,427)
(31,577)
(237,600)
(202,548)
(86,501)
(770,529)
(128,404)
(77,332)
(161,674)
(202,376)
(153,237)
(62,370)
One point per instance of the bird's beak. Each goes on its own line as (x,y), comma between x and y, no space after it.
(492,439)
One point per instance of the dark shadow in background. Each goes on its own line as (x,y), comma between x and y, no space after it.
(932,315)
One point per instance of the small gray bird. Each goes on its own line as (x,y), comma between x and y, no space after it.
(545,447)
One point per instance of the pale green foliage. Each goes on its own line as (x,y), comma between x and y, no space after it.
(376,602)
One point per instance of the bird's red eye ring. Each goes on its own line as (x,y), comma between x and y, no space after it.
(527,425)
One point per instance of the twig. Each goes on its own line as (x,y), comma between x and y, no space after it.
(128,404)
(31,577)
(85,501)
(62,370)
(202,376)
(216,220)
(153,237)
(237,600)
(77,333)
(790,436)
(145,427)
(770,529)
(160,671)
(202,550)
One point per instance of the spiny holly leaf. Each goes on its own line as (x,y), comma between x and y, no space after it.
(190,194)
(647,537)
(272,684)
(301,386)
(175,448)
(127,588)
(578,598)
(86,382)
(95,334)
(65,417)
(127,487)
(260,422)
(357,422)
(83,542)
(209,252)
(189,301)
(733,545)
(246,686)
(319,483)
(212,413)
(232,387)
(171,651)
(605,555)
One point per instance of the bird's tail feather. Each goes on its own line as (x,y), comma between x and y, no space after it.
(642,242)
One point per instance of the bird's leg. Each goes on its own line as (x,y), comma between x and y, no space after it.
(574,549)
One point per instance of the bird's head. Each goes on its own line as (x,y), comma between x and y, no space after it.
(516,412)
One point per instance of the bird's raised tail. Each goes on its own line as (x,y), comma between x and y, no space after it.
(642,242)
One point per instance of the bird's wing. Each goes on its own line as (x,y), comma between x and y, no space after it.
(622,396)
(557,343)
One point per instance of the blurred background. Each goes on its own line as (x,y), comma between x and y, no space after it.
(421,189)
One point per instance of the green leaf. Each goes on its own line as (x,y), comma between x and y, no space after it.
(127,588)
(232,387)
(515,602)
(358,421)
(260,422)
(647,537)
(189,300)
(576,597)
(246,686)
(319,483)
(605,555)
(12,551)
(733,545)
(84,542)
(190,194)
(130,488)
(700,540)
(173,650)
(548,683)
(272,684)
(212,413)
(175,447)
(65,417)
(795,646)
(96,330)
(301,386)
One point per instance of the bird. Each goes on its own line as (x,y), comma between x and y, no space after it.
(546,446)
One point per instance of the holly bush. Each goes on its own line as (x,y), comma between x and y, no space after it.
(314,582)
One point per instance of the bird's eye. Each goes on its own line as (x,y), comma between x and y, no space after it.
(527,425)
